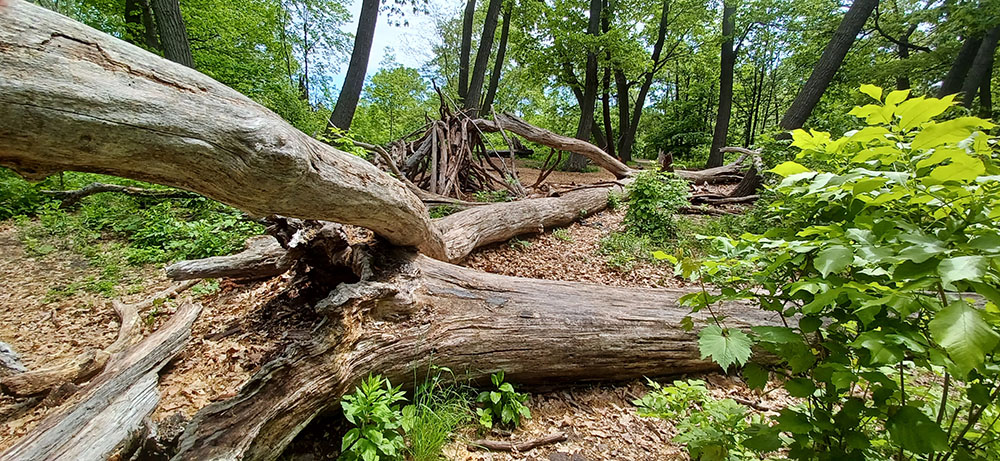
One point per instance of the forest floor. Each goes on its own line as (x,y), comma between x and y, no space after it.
(48,318)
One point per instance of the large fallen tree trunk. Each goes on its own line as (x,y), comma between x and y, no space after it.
(418,310)
(73,98)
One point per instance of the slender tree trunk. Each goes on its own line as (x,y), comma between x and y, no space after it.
(139,20)
(628,135)
(465,50)
(173,34)
(986,94)
(903,80)
(577,162)
(491,90)
(828,64)
(955,79)
(981,66)
(726,66)
(354,81)
(482,58)
(624,117)
(609,134)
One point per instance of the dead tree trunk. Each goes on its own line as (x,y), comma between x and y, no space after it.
(466,320)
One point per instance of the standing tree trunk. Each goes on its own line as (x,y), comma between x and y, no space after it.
(609,134)
(955,79)
(828,64)
(981,67)
(173,34)
(726,65)
(482,58)
(577,162)
(465,50)
(903,48)
(354,81)
(628,133)
(139,20)
(491,90)
(986,95)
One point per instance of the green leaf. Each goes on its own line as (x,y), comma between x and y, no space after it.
(755,376)
(914,112)
(787,169)
(963,167)
(913,430)
(762,438)
(800,387)
(660,256)
(947,132)
(349,438)
(873,91)
(724,346)
(495,397)
(962,332)
(833,259)
(969,268)
(896,97)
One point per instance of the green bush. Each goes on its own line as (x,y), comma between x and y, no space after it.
(503,406)
(898,225)
(653,201)
(710,429)
(440,405)
(373,408)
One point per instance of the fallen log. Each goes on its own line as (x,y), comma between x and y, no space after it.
(416,310)
(109,412)
(262,258)
(10,361)
(128,112)
(521,447)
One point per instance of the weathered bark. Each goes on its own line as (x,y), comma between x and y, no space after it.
(465,50)
(77,369)
(127,112)
(727,64)
(955,79)
(263,258)
(498,63)
(354,79)
(109,415)
(471,229)
(981,67)
(173,33)
(828,64)
(10,361)
(482,58)
(517,447)
(467,321)
(986,94)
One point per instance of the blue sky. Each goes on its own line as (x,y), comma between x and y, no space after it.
(411,45)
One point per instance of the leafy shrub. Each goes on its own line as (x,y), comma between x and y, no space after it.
(899,225)
(653,200)
(562,234)
(374,409)
(441,211)
(622,250)
(710,429)
(17,196)
(503,405)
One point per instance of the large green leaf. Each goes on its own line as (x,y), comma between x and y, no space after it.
(913,430)
(833,259)
(726,347)
(789,168)
(873,91)
(916,111)
(947,132)
(969,268)
(961,330)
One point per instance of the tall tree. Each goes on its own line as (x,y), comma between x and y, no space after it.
(139,22)
(727,63)
(577,162)
(354,80)
(498,63)
(981,67)
(472,101)
(955,79)
(173,34)
(828,64)
(465,50)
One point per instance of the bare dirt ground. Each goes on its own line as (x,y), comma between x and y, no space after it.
(245,324)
